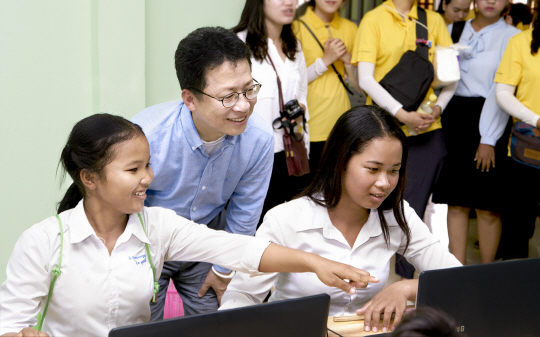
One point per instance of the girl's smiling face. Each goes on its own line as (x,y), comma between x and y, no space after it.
(121,186)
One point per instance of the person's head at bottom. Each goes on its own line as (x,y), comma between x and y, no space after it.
(427,322)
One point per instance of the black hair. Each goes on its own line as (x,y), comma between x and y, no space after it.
(535,43)
(252,20)
(353,131)
(441,9)
(90,146)
(205,49)
(520,13)
(427,322)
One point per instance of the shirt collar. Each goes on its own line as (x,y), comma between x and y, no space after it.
(188,128)
(321,220)
(314,21)
(80,227)
(412,14)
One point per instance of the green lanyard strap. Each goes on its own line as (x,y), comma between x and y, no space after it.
(56,272)
(156,283)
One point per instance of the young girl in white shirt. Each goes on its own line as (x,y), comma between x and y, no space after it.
(107,250)
(266,28)
(353,211)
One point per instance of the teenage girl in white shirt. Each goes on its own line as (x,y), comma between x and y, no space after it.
(352,211)
(113,248)
(266,27)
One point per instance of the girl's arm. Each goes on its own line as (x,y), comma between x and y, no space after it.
(492,124)
(510,104)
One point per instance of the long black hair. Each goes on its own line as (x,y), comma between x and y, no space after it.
(353,131)
(535,35)
(90,146)
(252,20)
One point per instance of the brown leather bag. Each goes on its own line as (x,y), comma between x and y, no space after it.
(295,152)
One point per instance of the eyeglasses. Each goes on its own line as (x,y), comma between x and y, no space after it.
(231,99)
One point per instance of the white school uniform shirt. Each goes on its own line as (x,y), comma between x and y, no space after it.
(304,225)
(294,85)
(96,292)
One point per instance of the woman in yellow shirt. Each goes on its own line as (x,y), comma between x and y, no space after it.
(384,35)
(327,96)
(518,80)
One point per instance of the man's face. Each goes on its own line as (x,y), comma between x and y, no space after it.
(211,118)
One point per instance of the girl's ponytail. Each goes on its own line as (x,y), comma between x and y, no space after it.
(71,198)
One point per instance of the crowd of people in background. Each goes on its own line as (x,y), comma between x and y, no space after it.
(218,157)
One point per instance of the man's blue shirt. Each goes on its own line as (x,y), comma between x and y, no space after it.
(197,186)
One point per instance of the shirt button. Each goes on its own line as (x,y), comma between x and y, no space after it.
(194,208)
(193,148)
(203,188)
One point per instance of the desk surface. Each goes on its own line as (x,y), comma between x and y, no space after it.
(348,329)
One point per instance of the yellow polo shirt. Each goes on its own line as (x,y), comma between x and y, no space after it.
(327,98)
(383,37)
(520,68)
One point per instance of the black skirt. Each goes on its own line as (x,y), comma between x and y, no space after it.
(460,182)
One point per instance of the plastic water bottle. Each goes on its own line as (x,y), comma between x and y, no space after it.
(426,108)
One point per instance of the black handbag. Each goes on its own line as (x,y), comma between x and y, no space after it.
(409,81)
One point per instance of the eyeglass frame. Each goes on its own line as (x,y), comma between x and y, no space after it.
(238,93)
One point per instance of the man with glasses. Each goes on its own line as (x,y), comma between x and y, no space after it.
(211,157)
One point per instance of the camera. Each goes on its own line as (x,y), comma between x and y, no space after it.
(292,110)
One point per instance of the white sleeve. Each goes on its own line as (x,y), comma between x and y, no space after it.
(446,95)
(510,104)
(377,93)
(27,283)
(493,120)
(188,241)
(425,251)
(316,69)
(245,290)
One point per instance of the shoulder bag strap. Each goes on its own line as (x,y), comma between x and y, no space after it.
(457,30)
(56,272)
(279,121)
(156,283)
(333,67)
(421,33)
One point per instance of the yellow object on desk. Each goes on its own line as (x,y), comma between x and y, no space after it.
(349,329)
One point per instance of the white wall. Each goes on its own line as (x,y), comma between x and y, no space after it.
(62,60)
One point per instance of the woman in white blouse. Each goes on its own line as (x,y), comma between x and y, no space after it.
(352,212)
(106,249)
(266,28)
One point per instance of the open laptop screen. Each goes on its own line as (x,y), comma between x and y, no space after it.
(495,299)
(306,316)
